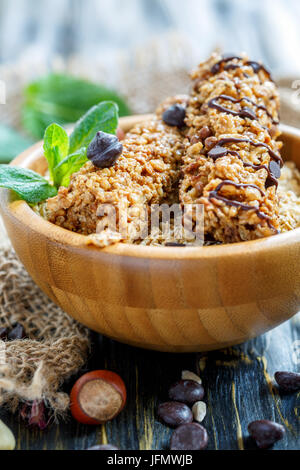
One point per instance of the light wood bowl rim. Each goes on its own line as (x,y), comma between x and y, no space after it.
(21,211)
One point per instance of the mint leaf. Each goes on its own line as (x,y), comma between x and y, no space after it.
(56,147)
(70,165)
(63,99)
(11,143)
(29,185)
(103,117)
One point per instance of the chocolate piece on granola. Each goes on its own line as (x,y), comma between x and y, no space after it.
(174,116)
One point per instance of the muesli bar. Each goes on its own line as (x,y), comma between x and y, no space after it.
(145,174)
(232,163)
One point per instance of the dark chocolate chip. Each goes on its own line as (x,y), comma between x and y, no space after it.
(274,168)
(103,447)
(17,332)
(266,433)
(104,150)
(190,436)
(174,116)
(186,391)
(217,152)
(175,413)
(288,381)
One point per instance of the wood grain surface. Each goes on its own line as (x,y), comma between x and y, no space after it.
(239,389)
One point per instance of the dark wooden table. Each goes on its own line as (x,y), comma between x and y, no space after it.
(239,388)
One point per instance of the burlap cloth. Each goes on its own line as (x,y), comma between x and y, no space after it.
(35,368)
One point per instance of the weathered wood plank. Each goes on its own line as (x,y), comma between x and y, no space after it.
(239,387)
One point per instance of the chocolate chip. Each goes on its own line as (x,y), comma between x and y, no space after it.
(288,381)
(174,116)
(104,150)
(265,432)
(274,168)
(3,333)
(103,447)
(191,436)
(247,113)
(175,413)
(17,332)
(186,391)
(217,152)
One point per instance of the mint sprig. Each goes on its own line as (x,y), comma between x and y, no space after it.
(65,155)
(28,184)
(56,148)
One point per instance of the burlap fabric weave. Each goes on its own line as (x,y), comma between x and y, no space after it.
(56,346)
(35,368)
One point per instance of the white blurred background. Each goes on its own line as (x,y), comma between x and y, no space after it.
(143,49)
(266,29)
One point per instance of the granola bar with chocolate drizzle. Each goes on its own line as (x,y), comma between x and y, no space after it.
(232,162)
(145,174)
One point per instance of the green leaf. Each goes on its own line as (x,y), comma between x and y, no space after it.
(103,117)
(11,144)
(70,165)
(29,185)
(56,147)
(63,99)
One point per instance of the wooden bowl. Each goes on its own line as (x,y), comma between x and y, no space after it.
(162,298)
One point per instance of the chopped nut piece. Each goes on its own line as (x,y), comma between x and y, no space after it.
(199,411)
(7,439)
(188,375)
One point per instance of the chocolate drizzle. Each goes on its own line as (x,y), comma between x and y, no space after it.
(272,179)
(215,195)
(219,152)
(225,58)
(256,66)
(236,140)
(238,185)
(273,170)
(244,112)
(219,149)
